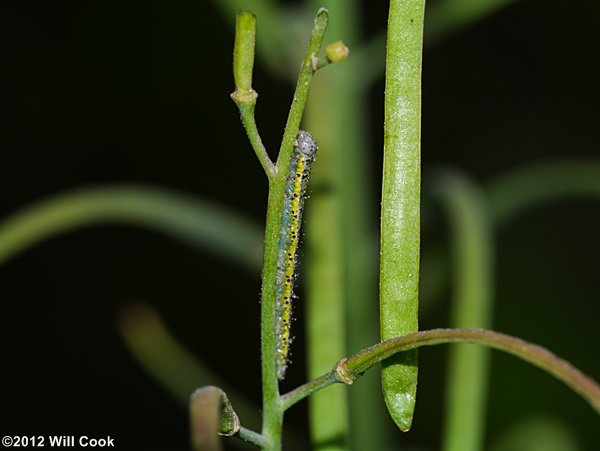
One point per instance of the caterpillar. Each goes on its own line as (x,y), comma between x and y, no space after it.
(303,155)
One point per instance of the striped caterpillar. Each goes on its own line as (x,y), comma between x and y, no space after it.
(303,155)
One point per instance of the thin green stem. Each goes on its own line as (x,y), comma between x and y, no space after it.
(325,328)
(442,18)
(243,53)
(170,362)
(271,40)
(301,94)
(298,394)
(472,299)
(244,96)
(520,190)
(252,437)
(348,370)
(272,410)
(400,209)
(538,432)
(179,372)
(531,353)
(248,119)
(337,216)
(188,219)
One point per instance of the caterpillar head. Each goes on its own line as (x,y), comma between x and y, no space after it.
(305,144)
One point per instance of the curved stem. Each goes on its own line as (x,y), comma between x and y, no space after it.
(516,191)
(472,300)
(298,394)
(244,96)
(252,437)
(350,369)
(168,361)
(185,218)
(271,42)
(248,119)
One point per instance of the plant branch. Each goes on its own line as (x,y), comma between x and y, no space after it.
(244,96)
(350,369)
(298,394)
(472,300)
(442,18)
(249,122)
(252,437)
(185,218)
(271,44)
(335,217)
(169,362)
(302,87)
(272,411)
(519,190)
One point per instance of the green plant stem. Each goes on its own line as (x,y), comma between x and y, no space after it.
(325,328)
(538,432)
(243,53)
(191,220)
(169,362)
(525,188)
(272,411)
(252,437)
(176,368)
(400,210)
(301,93)
(248,119)
(472,299)
(442,18)
(290,399)
(338,227)
(534,354)
(350,369)
(271,37)
(244,96)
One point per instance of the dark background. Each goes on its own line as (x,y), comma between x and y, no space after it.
(100,92)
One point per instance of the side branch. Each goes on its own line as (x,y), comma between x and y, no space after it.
(244,96)
(349,369)
(247,115)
